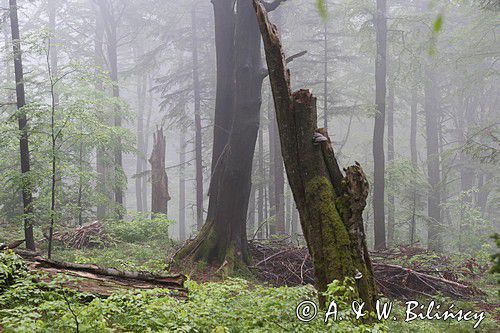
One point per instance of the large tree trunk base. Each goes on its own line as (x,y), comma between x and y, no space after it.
(211,257)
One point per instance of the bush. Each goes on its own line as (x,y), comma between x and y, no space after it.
(11,268)
(140,229)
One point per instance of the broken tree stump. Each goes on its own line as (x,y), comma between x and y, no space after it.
(159,179)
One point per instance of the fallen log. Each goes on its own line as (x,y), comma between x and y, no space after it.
(103,282)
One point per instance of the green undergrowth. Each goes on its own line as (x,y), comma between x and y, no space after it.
(233,305)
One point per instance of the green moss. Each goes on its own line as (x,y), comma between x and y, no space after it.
(337,262)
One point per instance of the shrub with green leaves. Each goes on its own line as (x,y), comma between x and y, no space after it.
(140,229)
(11,268)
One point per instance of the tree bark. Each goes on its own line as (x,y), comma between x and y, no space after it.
(159,179)
(110,25)
(182,186)
(197,122)
(434,227)
(224,111)
(261,177)
(390,160)
(223,238)
(378,132)
(330,205)
(23,128)
(141,100)
(101,165)
(414,159)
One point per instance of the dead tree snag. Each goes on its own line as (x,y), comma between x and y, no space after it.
(330,204)
(159,179)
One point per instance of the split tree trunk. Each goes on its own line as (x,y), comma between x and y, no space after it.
(23,129)
(330,205)
(159,179)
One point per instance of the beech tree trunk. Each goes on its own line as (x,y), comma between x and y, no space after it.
(330,205)
(378,131)
(159,179)
(23,128)
(224,111)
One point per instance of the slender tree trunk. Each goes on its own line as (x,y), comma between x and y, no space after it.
(325,74)
(101,165)
(141,94)
(182,186)
(251,212)
(146,143)
(390,160)
(414,159)
(270,185)
(110,24)
(434,227)
(330,205)
(197,122)
(262,176)
(81,153)
(23,128)
(378,132)
(467,174)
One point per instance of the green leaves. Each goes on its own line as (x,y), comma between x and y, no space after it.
(438,23)
(322,10)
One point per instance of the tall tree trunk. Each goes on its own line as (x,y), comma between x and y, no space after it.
(159,179)
(390,160)
(261,176)
(139,167)
(330,205)
(182,186)
(145,192)
(23,128)
(271,224)
(197,121)
(467,174)
(223,239)
(325,73)
(378,132)
(101,165)
(224,111)
(110,24)
(434,227)
(414,158)
(251,212)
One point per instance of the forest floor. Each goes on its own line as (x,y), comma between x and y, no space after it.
(284,275)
